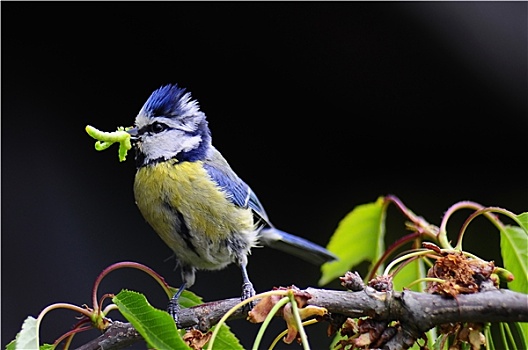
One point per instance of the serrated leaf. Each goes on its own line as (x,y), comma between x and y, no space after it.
(514,250)
(358,237)
(155,326)
(27,338)
(138,311)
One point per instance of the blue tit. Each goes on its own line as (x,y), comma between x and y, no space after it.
(191,197)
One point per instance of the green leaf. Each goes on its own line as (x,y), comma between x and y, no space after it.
(10,345)
(514,250)
(27,338)
(225,339)
(523,218)
(155,326)
(358,237)
(188,298)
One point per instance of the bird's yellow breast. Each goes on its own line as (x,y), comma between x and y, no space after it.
(169,189)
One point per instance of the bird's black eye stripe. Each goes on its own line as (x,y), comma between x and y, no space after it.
(156,127)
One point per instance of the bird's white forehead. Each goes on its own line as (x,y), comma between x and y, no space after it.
(142,120)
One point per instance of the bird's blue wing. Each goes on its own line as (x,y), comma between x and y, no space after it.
(237,190)
(241,195)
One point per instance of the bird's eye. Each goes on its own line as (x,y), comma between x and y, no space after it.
(157,127)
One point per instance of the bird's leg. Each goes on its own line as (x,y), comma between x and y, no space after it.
(247,287)
(173,308)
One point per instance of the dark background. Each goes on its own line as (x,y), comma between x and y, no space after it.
(318,106)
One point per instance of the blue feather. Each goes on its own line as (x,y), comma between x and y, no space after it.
(300,247)
(238,192)
(236,189)
(170,100)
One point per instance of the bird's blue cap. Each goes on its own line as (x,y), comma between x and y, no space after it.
(170,100)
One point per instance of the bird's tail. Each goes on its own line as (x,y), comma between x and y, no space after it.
(297,246)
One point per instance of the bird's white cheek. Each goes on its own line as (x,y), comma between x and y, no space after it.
(167,146)
(153,148)
(190,143)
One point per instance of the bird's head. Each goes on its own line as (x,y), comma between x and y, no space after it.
(170,125)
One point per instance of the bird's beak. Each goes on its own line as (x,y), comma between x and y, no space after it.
(133,134)
(132,131)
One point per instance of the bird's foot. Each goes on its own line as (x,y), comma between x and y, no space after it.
(173,308)
(247,292)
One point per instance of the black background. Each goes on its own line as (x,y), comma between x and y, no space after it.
(318,106)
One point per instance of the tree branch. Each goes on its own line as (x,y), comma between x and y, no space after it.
(118,336)
(416,312)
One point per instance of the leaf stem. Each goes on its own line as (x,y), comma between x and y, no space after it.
(69,335)
(420,223)
(442,234)
(83,311)
(392,248)
(425,279)
(298,321)
(236,307)
(405,257)
(284,332)
(494,219)
(129,264)
(267,320)
(503,336)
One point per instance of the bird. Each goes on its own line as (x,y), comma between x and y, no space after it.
(191,197)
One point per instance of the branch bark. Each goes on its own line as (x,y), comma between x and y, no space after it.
(416,312)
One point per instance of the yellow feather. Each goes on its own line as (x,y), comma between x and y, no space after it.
(187,187)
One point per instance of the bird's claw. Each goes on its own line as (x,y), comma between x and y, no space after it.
(247,292)
(173,308)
